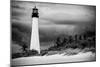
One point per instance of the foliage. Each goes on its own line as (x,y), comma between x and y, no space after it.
(76,41)
(25,54)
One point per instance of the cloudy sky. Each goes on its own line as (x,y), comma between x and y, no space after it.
(55,19)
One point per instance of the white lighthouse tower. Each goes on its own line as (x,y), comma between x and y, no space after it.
(35,44)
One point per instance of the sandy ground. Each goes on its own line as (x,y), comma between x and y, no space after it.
(57,58)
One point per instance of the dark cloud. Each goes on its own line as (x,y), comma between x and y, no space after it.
(15,13)
(55,19)
(13,5)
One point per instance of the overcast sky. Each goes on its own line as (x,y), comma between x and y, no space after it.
(56,19)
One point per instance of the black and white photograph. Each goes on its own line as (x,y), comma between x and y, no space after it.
(52,33)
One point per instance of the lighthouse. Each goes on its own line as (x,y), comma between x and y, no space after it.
(34,43)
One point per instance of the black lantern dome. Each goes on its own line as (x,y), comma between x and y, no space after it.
(35,12)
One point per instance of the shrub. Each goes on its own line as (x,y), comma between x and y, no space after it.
(43,52)
(25,54)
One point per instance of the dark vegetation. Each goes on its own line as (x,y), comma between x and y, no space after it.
(76,41)
(86,40)
(25,54)
(21,35)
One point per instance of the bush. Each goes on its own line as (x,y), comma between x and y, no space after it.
(17,55)
(43,52)
(32,52)
(25,54)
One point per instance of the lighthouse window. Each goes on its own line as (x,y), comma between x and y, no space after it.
(35,11)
